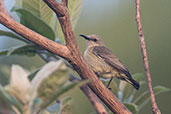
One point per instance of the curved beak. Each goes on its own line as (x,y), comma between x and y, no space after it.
(85,37)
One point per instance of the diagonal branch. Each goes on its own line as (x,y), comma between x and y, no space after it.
(155,109)
(70,52)
(91,96)
(34,37)
(80,65)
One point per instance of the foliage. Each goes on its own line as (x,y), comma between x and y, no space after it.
(46,89)
(38,91)
(128,95)
(22,95)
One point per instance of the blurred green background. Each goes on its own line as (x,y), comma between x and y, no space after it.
(114,21)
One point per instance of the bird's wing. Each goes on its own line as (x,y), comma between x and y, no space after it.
(110,59)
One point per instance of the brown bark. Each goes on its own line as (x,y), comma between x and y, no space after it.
(3,9)
(33,36)
(155,108)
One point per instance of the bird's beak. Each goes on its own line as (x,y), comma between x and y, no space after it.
(85,37)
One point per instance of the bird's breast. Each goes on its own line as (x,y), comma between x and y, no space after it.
(96,63)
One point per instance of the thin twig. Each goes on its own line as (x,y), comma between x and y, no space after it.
(155,108)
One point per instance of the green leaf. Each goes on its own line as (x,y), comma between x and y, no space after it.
(28,49)
(3,52)
(66,100)
(45,72)
(39,9)
(9,100)
(66,105)
(144,98)
(35,23)
(128,90)
(62,92)
(131,107)
(74,7)
(4,74)
(18,4)
(12,35)
(66,109)
(33,74)
(138,77)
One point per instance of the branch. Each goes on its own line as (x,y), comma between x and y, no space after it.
(3,9)
(155,108)
(80,65)
(65,3)
(34,37)
(100,109)
(91,96)
(70,52)
(58,7)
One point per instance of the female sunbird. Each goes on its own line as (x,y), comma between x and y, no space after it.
(104,63)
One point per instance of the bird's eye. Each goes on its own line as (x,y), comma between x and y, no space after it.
(95,40)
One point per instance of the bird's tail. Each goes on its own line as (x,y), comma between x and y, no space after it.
(133,83)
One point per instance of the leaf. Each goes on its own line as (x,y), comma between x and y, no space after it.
(35,23)
(62,92)
(18,4)
(44,73)
(138,76)
(59,106)
(39,9)
(144,98)
(55,108)
(12,35)
(66,109)
(66,100)
(128,90)
(53,83)
(28,49)
(19,84)
(66,106)
(9,100)
(131,107)
(4,74)
(74,7)
(33,74)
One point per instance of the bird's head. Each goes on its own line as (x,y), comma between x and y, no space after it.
(93,40)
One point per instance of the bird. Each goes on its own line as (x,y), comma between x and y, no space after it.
(104,63)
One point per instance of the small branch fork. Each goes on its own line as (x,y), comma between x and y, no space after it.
(155,108)
(70,52)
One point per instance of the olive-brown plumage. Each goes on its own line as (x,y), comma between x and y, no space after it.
(104,63)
